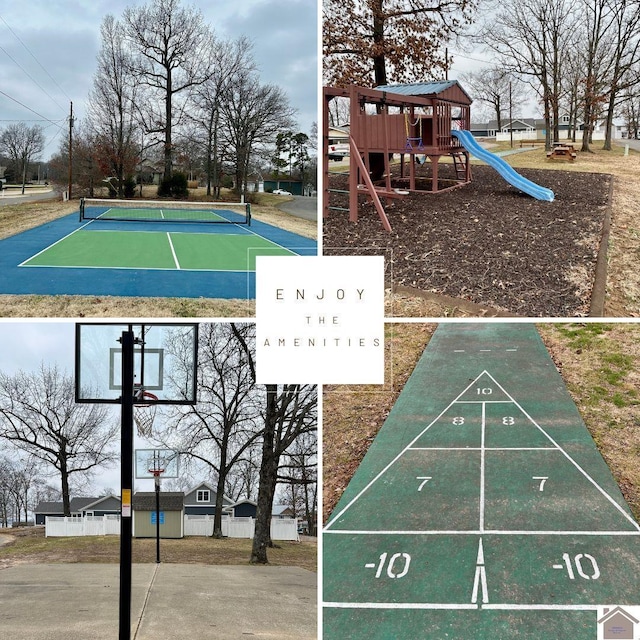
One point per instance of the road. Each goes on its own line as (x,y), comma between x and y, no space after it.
(301,207)
(13,196)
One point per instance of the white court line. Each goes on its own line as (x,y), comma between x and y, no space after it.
(22,264)
(173,251)
(482,466)
(482,402)
(541,607)
(396,605)
(444,606)
(486,449)
(362,491)
(475,532)
(577,466)
(556,445)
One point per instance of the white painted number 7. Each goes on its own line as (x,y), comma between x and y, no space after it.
(542,479)
(424,479)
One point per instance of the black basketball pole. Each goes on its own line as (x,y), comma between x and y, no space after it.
(126,482)
(157,479)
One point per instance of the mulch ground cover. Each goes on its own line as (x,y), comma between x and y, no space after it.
(487,242)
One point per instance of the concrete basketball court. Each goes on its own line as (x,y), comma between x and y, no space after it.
(173,601)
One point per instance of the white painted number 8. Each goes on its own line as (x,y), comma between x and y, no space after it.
(508,420)
(458,420)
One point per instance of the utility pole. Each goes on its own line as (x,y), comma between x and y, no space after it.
(70,150)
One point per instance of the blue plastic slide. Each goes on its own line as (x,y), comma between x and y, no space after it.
(504,169)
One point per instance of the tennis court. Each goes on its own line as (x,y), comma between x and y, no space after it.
(187,251)
(483,508)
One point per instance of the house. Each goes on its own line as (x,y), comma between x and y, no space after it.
(255,183)
(617,624)
(282,511)
(291,185)
(243,509)
(201,501)
(171,514)
(80,507)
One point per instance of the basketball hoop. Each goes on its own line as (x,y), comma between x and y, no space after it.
(144,412)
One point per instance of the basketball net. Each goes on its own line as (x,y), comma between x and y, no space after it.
(144,412)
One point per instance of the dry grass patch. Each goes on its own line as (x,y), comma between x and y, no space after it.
(13,306)
(33,548)
(623,277)
(599,363)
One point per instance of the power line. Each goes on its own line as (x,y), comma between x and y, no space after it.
(30,109)
(36,59)
(30,76)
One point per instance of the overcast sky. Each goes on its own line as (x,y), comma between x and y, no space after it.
(28,344)
(64,37)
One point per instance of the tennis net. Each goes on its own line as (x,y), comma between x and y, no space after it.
(164,211)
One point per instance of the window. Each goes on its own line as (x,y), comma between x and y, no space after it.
(203,495)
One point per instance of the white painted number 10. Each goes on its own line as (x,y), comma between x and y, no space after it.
(486,391)
(584,563)
(396,567)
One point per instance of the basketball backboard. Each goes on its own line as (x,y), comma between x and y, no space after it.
(160,460)
(165,361)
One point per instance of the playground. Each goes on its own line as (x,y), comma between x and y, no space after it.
(463,227)
(488,243)
(482,507)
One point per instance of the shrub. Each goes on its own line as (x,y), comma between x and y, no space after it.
(174,186)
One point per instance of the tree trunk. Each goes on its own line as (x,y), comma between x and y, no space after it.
(379,67)
(66,501)
(268,476)
(168,150)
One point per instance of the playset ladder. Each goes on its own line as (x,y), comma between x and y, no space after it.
(461,165)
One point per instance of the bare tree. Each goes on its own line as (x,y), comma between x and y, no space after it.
(372,42)
(254,114)
(112,111)
(290,412)
(38,414)
(626,56)
(22,143)
(531,39)
(299,473)
(220,430)
(496,88)
(230,57)
(170,56)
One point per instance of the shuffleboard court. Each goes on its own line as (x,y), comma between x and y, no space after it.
(483,508)
(142,258)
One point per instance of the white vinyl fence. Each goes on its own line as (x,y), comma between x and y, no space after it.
(87,526)
(281,528)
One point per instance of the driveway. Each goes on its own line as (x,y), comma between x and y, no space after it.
(301,207)
(169,601)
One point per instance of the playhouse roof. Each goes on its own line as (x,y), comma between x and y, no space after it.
(449,90)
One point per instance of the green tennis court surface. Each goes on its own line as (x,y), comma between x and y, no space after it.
(157,250)
(482,509)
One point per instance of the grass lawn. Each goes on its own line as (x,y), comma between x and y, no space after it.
(30,546)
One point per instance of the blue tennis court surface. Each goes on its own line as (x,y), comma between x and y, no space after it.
(148,259)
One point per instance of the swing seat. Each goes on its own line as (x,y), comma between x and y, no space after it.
(410,144)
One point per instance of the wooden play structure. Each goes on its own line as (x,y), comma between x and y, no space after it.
(413,121)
